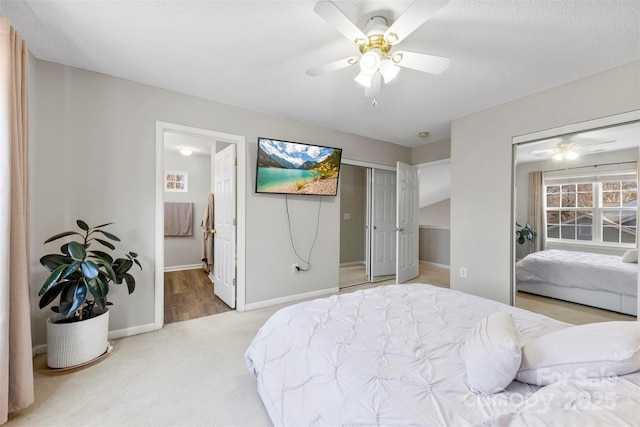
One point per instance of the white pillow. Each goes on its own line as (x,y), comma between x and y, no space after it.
(492,353)
(630,256)
(588,351)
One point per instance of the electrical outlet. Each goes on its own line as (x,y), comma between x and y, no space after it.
(463,272)
(294,268)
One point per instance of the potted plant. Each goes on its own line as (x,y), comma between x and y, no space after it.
(525,233)
(80,280)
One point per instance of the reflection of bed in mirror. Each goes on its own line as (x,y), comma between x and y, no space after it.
(602,281)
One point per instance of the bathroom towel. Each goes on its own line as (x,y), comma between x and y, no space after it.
(178,219)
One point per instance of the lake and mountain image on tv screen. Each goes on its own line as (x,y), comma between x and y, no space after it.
(295,168)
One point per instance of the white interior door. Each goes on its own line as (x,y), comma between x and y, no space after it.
(408,222)
(224,252)
(383,235)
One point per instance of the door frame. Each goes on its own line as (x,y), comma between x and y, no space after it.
(240,141)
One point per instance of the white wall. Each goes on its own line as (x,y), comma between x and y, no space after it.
(94,158)
(481,169)
(185,251)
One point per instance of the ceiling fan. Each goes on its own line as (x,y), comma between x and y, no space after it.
(568,150)
(378,60)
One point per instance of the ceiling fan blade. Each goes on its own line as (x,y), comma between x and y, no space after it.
(374,89)
(412,18)
(421,62)
(332,66)
(334,16)
(543,152)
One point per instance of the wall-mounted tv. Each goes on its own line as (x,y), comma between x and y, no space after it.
(286,167)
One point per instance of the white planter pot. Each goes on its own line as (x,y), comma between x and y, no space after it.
(71,344)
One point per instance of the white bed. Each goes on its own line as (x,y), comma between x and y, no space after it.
(392,355)
(597,280)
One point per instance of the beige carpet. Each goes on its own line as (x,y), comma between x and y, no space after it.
(189,373)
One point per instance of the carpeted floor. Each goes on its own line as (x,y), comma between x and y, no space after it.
(190,373)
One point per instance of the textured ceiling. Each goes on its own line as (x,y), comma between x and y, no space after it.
(254,54)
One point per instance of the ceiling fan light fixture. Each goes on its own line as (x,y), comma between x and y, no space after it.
(571,155)
(388,69)
(364,79)
(370,61)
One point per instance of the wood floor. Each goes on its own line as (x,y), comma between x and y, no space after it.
(569,312)
(188,294)
(430,274)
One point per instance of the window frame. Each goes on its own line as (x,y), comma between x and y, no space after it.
(598,210)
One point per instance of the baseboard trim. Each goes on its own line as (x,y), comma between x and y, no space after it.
(183,267)
(291,298)
(135,330)
(119,333)
(435,264)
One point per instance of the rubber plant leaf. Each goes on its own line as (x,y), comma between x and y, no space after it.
(52,293)
(107,266)
(131,282)
(123,266)
(83,225)
(102,255)
(89,269)
(77,251)
(109,235)
(61,235)
(72,298)
(52,261)
(102,225)
(97,287)
(106,243)
(53,278)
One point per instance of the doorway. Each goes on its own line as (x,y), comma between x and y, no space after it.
(368,225)
(210,139)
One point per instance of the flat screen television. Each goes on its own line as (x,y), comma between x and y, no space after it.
(286,167)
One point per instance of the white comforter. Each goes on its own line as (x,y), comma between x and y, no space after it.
(579,270)
(389,356)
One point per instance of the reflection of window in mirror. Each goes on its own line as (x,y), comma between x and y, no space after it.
(579,192)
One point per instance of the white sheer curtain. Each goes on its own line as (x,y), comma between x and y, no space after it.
(16,367)
(536,208)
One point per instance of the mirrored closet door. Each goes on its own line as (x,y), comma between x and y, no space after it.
(367,225)
(575,221)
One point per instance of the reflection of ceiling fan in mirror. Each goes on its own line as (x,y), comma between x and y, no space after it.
(569,150)
(378,60)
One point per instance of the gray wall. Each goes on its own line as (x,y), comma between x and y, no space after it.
(182,251)
(437,214)
(434,245)
(353,204)
(96,140)
(481,169)
(438,150)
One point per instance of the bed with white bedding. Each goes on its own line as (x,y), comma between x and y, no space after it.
(602,281)
(394,355)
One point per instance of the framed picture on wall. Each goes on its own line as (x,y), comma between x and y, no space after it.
(176,181)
